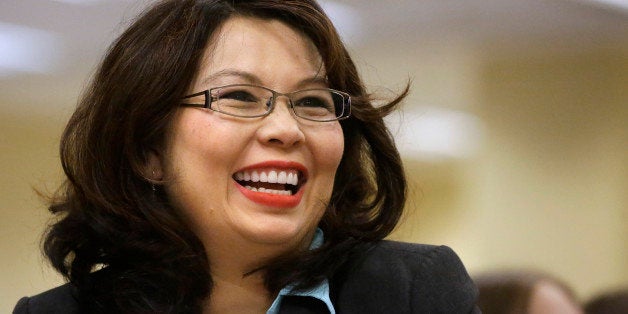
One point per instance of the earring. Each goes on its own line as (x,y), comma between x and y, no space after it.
(152,185)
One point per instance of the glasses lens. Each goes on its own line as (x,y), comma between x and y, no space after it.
(318,104)
(241,100)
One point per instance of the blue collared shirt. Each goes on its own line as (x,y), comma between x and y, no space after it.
(320,291)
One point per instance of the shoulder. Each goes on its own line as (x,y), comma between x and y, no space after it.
(61,299)
(410,261)
(405,278)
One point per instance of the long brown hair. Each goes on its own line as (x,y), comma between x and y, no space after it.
(110,217)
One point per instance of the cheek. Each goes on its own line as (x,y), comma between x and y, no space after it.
(330,149)
(192,143)
(199,137)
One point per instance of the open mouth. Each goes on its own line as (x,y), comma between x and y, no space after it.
(271,181)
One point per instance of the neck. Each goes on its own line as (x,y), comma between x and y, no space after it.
(230,259)
(232,291)
(238,294)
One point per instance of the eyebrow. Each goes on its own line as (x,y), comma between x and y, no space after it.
(254,79)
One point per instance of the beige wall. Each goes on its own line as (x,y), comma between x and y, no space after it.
(28,161)
(546,189)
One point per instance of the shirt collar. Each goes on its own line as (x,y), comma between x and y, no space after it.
(319,291)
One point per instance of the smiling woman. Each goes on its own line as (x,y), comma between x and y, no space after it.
(227,159)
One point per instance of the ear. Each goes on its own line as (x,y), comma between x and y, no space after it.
(154,169)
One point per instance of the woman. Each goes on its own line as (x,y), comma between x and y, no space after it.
(524,292)
(227,159)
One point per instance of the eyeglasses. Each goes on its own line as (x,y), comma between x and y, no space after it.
(252,101)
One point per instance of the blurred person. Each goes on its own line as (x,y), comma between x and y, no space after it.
(226,158)
(612,302)
(524,292)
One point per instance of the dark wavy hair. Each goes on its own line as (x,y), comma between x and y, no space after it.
(109,217)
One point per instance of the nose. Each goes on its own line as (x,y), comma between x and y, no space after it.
(280,127)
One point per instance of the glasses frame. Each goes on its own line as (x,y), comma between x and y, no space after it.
(209,99)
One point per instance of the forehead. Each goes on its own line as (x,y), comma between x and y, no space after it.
(268,49)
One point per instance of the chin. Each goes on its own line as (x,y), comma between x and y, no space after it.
(284,234)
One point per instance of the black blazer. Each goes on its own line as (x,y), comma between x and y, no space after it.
(383,277)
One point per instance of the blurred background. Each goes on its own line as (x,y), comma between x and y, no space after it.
(515,135)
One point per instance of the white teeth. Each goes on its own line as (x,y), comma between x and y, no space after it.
(272,176)
(282,177)
(270,191)
(269,176)
(292,179)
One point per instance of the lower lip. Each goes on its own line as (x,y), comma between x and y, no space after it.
(272,200)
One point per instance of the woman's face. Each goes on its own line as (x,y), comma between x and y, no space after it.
(209,155)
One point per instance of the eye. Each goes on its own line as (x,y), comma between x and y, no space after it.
(238,95)
(315,102)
